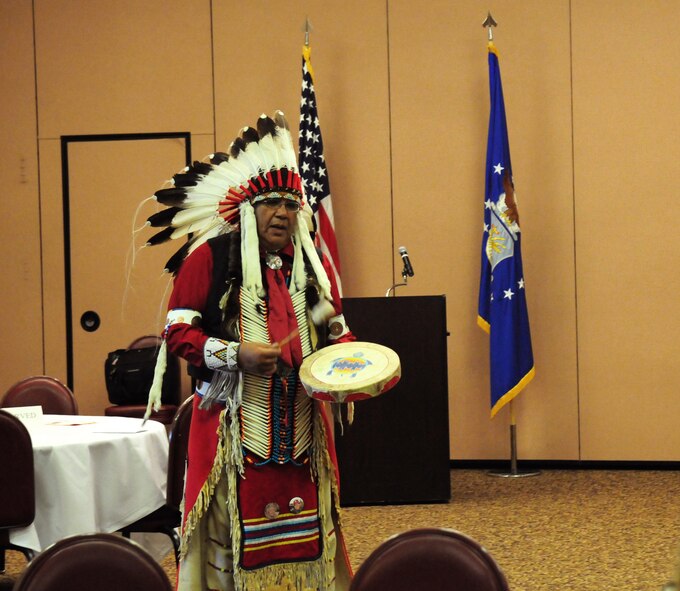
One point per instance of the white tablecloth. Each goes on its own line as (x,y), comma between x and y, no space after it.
(93,474)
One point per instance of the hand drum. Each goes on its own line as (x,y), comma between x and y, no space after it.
(349,372)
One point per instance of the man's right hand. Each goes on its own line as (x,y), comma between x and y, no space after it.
(258,358)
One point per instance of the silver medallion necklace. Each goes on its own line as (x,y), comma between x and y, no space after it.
(273,261)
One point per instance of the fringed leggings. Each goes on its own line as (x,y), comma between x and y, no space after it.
(208,564)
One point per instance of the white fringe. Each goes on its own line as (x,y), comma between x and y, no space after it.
(302,234)
(299,277)
(250,251)
(157,384)
(225,386)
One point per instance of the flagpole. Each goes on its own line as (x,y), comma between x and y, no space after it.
(488,24)
(307,29)
(515,472)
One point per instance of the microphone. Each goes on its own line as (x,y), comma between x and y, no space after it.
(408,269)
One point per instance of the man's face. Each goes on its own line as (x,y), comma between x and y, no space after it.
(276,217)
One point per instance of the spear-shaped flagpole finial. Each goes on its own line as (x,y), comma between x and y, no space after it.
(307,29)
(488,23)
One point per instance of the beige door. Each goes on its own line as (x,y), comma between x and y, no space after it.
(117,291)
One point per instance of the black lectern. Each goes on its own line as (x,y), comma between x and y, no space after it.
(397,450)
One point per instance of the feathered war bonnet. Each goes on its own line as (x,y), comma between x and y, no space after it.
(204,199)
(216,196)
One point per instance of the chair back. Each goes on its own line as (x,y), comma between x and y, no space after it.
(149,340)
(435,559)
(177,452)
(54,397)
(17,493)
(104,562)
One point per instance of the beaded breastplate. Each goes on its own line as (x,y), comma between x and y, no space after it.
(275,413)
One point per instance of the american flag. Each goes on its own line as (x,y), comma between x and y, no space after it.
(313,169)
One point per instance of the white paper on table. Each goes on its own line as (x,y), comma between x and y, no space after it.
(126,426)
(73,421)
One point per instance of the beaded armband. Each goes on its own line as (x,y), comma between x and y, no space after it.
(182,316)
(221,355)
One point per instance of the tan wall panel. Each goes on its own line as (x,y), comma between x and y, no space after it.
(440,109)
(626,125)
(20,297)
(123,67)
(202,145)
(350,62)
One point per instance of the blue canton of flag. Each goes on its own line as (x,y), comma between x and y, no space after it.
(502,301)
(313,169)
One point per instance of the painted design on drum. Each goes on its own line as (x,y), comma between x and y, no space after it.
(349,366)
(348,372)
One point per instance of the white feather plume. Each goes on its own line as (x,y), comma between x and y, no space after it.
(204,199)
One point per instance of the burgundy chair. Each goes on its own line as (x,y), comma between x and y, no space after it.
(54,397)
(17,492)
(435,559)
(169,517)
(167,411)
(103,562)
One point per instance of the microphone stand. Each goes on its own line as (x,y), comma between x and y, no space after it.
(404,276)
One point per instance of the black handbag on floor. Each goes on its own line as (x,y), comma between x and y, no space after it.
(129,375)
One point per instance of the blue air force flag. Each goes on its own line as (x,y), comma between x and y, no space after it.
(502,303)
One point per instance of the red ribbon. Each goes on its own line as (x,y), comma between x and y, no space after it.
(282,319)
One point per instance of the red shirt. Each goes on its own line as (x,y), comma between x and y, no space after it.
(191,291)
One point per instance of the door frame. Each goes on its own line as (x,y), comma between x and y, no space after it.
(66,140)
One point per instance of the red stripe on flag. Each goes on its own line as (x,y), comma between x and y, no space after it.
(327,234)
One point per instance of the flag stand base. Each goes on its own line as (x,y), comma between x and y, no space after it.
(514,472)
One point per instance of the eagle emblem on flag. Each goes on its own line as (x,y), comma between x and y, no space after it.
(504,224)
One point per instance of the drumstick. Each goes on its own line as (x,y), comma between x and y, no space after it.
(321,312)
(295,332)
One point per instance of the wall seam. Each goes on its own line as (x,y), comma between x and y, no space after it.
(389,115)
(40,225)
(573,192)
(212,59)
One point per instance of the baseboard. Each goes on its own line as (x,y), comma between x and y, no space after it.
(563,465)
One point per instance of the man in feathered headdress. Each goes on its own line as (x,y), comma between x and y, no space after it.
(252,298)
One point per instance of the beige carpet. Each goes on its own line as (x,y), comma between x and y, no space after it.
(569,530)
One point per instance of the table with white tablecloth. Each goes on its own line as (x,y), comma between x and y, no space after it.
(93,474)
